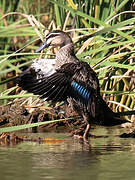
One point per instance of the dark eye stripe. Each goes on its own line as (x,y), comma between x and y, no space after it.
(51,35)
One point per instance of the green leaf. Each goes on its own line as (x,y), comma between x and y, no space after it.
(25,126)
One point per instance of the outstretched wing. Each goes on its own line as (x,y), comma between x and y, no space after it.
(75,80)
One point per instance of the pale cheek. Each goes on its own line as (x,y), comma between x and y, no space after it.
(57,42)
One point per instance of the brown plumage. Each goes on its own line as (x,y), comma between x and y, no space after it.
(74,81)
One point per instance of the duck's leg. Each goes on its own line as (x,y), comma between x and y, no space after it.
(86,133)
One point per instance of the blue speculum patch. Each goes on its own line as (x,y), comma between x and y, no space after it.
(81,90)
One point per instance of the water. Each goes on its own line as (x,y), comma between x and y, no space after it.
(108,158)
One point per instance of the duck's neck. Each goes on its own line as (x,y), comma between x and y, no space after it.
(65,55)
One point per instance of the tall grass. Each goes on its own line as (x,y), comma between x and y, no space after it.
(103,32)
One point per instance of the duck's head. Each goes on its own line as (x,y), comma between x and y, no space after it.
(56,38)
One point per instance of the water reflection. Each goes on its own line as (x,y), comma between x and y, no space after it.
(107,158)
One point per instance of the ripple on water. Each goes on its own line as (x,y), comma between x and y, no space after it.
(107,158)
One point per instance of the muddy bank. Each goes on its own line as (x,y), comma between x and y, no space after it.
(21,111)
(18,113)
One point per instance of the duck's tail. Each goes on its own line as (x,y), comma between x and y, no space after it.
(110,118)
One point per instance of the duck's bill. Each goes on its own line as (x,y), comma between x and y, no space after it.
(44,45)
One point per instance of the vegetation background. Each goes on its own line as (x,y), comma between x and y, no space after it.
(103,32)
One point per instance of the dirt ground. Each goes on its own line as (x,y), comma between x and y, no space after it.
(18,113)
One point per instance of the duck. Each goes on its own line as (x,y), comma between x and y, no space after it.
(69,80)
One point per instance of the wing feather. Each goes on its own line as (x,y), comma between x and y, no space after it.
(75,80)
